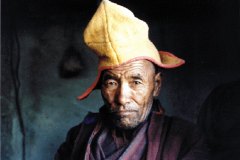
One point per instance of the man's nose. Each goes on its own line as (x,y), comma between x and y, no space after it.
(124,94)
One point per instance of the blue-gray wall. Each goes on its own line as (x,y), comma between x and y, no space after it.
(207,41)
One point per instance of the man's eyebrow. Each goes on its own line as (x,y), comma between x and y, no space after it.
(137,76)
(107,76)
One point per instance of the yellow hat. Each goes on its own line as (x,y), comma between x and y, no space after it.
(118,37)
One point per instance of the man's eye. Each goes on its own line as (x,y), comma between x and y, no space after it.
(137,82)
(111,83)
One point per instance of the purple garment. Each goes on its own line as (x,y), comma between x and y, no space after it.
(121,147)
(160,138)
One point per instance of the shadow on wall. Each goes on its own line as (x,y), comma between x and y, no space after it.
(219,118)
(71,64)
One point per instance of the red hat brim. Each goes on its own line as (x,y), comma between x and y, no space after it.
(168,61)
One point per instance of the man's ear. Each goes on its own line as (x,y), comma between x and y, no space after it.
(157,84)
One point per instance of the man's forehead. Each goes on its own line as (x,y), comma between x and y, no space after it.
(139,68)
(138,64)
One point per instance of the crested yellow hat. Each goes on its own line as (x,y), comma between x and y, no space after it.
(118,37)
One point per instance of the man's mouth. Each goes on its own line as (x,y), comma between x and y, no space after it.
(125,113)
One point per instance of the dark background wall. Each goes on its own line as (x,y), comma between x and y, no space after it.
(41,39)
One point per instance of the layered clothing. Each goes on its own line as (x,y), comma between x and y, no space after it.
(158,138)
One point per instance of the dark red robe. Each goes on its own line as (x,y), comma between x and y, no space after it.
(159,138)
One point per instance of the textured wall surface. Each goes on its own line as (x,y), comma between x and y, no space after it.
(205,35)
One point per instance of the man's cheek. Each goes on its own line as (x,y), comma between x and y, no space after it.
(109,98)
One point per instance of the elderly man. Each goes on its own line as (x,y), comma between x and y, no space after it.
(131,125)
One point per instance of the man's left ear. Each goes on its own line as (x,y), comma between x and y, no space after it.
(157,84)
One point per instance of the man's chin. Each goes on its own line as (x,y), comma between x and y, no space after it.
(126,124)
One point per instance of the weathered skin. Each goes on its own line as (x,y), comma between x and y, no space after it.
(128,92)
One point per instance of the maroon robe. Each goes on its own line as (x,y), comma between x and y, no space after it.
(159,138)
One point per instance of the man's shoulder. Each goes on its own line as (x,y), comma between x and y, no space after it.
(91,118)
(185,138)
(181,126)
(176,121)
(79,135)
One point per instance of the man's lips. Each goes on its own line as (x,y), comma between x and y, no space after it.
(125,113)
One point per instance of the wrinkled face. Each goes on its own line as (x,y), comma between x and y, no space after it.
(128,92)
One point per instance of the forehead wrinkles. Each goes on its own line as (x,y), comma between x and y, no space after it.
(143,68)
